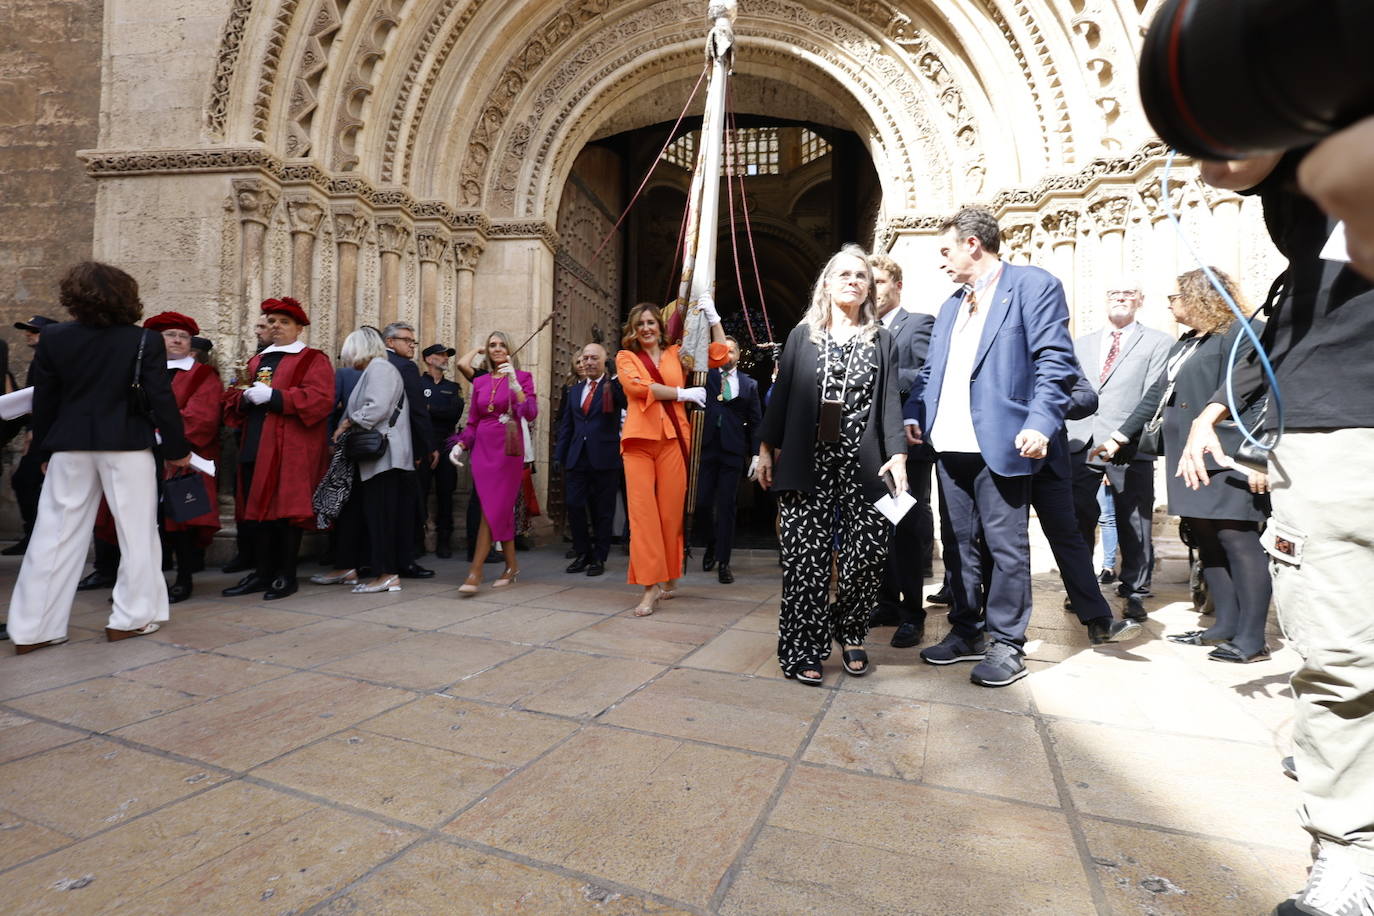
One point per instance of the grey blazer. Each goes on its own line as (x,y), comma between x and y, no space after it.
(371,405)
(1140,363)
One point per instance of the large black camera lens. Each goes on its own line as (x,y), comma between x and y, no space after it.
(1229,79)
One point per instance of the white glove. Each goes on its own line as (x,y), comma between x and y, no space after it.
(455,455)
(507,370)
(258,394)
(708,308)
(695,395)
(753,468)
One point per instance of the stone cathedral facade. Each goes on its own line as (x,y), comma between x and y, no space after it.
(448,162)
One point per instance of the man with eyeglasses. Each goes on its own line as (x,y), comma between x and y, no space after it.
(401,344)
(1121,361)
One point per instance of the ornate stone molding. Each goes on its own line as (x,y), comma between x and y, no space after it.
(221,84)
(1147,156)
(1110,213)
(526,229)
(271,60)
(103,163)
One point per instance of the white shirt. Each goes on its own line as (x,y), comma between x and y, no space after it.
(186,363)
(886,320)
(1106,348)
(296,347)
(728,375)
(953,428)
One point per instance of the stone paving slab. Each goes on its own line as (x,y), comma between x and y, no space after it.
(539,749)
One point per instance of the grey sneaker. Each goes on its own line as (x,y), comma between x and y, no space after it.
(954,648)
(1335,887)
(1000,666)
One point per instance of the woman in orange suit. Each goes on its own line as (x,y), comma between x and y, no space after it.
(655,443)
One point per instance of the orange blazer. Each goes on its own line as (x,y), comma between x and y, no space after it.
(645,416)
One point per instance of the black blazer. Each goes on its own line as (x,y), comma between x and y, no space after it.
(598,431)
(421,429)
(732,425)
(794,402)
(911,335)
(1082,403)
(81,377)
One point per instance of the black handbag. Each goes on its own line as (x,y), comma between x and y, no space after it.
(369,444)
(140,405)
(184,497)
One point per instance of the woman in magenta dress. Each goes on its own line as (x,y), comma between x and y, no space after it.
(500,399)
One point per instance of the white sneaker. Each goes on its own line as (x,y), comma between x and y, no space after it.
(1336,886)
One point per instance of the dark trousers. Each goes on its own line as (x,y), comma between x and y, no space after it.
(27,483)
(717,490)
(377,525)
(1133,495)
(275,544)
(910,553)
(1053,499)
(590,497)
(997,509)
(443,480)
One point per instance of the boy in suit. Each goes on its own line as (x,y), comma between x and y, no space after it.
(733,413)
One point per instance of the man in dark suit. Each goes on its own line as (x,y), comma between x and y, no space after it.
(588,448)
(992,393)
(1122,360)
(401,345)
(27,479)
(444,401)
(909,555)
(733,414)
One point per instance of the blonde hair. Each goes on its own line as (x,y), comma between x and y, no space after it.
(361,347)
(886,265)
(505,339)
(629,340)
(817,316)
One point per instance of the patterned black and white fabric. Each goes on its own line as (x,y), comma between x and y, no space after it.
(334,488)
(835,517)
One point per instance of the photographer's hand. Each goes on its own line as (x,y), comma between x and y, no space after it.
(1238,174)
(1202,441)
(1339,176)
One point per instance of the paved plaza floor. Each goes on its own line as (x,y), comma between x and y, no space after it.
(539,750)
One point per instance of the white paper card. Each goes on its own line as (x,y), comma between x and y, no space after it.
(16,404)
(1336,248)
(204,465)
(895,507)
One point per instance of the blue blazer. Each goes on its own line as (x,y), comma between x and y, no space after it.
(1023,370)
(597,432)
(731,426)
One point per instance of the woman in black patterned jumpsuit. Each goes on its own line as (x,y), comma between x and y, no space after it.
(833,428)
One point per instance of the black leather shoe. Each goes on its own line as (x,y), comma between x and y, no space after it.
(237,564)
(1123,590)
(708,560)
(724,576)
(1134,610)
(178,591)
(1068,604)
(908,634)
(16,550)
(1228,652)
(1105,630)
(416,571)
(1106,577)
(577,566)
(282,586)
(596,568)
(1193,638)
(941,597)
(248,585)
(95,580)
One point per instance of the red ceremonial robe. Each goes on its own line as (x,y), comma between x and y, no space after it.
(293,451)
(198,391)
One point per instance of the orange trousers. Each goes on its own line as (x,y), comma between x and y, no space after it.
(655,493)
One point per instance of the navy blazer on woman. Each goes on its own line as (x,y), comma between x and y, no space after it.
(732,425)
(1023,371)
(597,431)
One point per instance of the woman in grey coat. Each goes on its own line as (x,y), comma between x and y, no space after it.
(376,525)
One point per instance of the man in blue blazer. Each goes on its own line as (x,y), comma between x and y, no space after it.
(588,448)
(733,414)
(992,393)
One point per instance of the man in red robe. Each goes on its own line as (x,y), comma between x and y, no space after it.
(284,450)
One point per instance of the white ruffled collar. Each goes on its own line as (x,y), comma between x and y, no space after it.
(296,347)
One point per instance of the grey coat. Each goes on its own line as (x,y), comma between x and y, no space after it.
(371,405)
(1134,371)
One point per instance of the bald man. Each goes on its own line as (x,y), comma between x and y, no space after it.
(589,450)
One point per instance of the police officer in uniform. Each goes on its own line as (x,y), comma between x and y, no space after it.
(27,480)
(445,402)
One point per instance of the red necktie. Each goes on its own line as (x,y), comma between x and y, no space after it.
(587,399)
(1112,353)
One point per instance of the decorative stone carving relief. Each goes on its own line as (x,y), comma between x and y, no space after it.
(221,85)
(301,107)
(358,85)
(1109,213)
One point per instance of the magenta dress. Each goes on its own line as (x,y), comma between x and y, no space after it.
(496,475)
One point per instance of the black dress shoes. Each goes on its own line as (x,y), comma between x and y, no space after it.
(1194,638)
(723,575)
(1230,652)
(708,560)
(178,591)
(1068,604)
(908,634)
(1106,577)
(95,580)
(416,571)
(282,586)
(237,564)
(1134,610)
(596,568)
(941,597)
(1105,630)
(248,585)
(577,566)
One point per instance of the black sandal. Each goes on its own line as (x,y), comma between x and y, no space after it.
(856,655)
(799,673)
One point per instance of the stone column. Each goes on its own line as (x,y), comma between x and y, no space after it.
(303,215)
(1163,255)
(350,229)
(392,235)
(431,245)
(466,253)
(256,201)
(1224,235)
(1062,225)
(1109,214)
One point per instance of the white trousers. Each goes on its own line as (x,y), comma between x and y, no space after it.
(42,599)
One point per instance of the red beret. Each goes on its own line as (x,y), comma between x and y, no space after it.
(285,306)
(172,321)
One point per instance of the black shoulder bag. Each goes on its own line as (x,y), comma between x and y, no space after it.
(140,404)
(370,444)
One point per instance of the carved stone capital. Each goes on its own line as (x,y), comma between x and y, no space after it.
(392,234)
(1061,224)
(466,252)
(431,244)
(1152,194)
(304,215)
(1110,213)
(1017,236)
(350,226)
(255,199)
